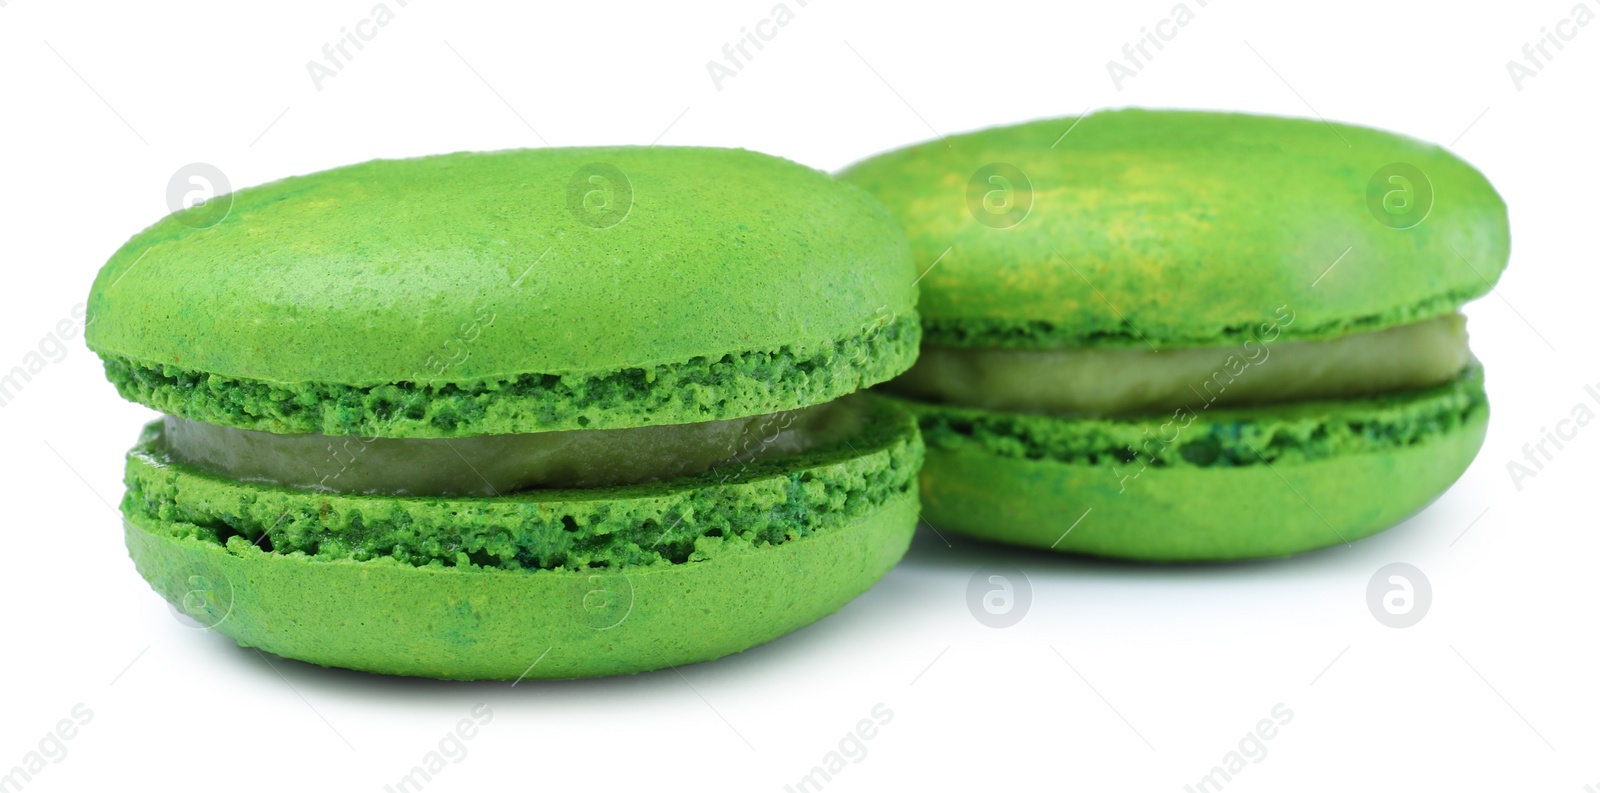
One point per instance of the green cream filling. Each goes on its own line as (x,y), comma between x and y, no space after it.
(763,503)
(1123,381)
(1294,432)
(491,465)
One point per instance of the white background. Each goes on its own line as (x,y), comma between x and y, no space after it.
(1120,677)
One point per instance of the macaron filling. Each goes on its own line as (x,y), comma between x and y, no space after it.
(1100,382)
(492,465)
(767,502)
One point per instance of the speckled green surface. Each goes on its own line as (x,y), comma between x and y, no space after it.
(481,588)
(1326,473)
(637,525)
(1191,227)
(699,390)
(475,269)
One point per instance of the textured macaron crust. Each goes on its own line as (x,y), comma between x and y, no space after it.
(1182,229)
(604,580)
(701,389)
(1229,484)
(514,291)
(451,623)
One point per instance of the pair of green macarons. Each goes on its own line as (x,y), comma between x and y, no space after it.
(575,412)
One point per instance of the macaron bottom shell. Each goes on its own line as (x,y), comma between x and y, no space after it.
(1185,513)
(475,624)
(539,583)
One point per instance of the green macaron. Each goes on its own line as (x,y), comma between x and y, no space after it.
(1172,335)
(526,414)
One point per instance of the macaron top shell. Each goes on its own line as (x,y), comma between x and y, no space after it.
(477,267)
(1178,228)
